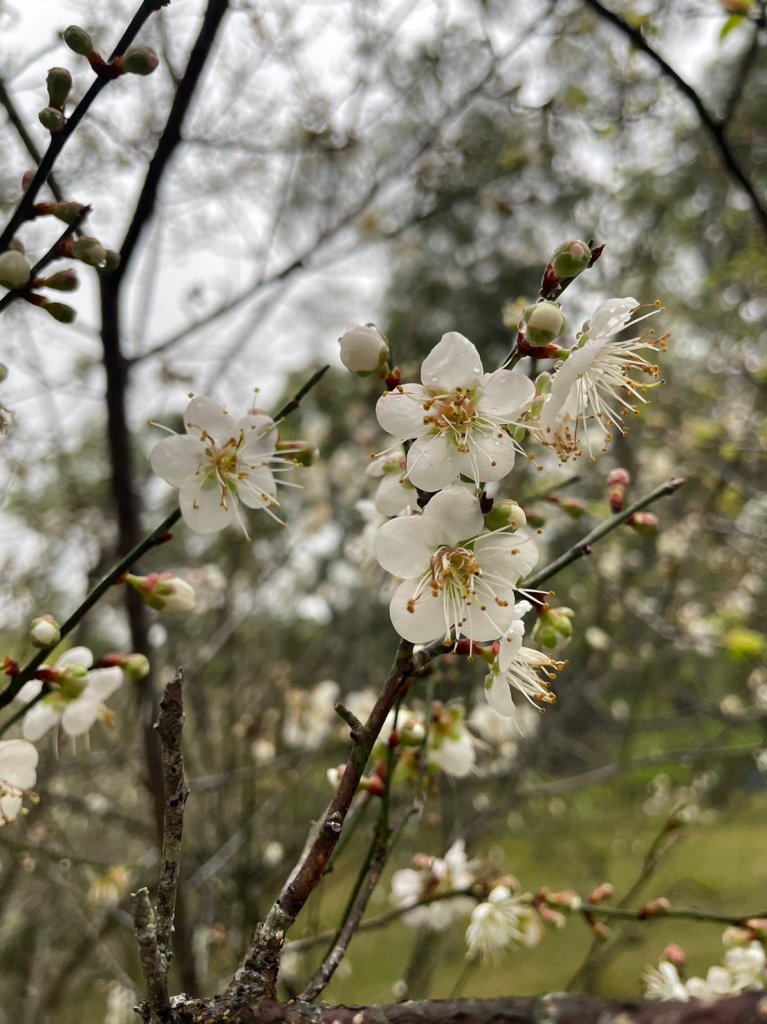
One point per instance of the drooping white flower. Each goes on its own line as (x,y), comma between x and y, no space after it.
(663,982)
(593,385)
(364,350)
(503,920)
(457,416)
(18,772)
(77,695)
(458,581)
(434,876)
(519,668)
(218,462)
(395,493)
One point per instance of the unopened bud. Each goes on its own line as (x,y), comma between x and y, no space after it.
(570,259)
(78,40)
(541,323)
(163,591)
(675,955)
(506,515)
(603,892)
(51,119)
(68,212)
(89,250)
(44,632)
(660,905)
(111,261)
(554,627)
(645,523)
(136,667)
(62,281)
(412,734)
(59,83)
(300,452)
(72,681)
(573,507)
(364,350)
(60,311)
(142,60)
(617,482)
(27,178)
(14,269)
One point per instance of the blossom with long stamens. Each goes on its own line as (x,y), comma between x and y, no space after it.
(519,668)
(218,462)
(18,771)
(593,385)
(457,416)
(458,579)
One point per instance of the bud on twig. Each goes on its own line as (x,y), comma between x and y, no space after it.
(644,523)
(14,269)
(59,84)
(541,323)
(142,60)
(617,482)
(44,632)
(78,40)
(505,514)
(61,281)
(51,119)
(163,591)
(60,311)
(364,350)
(89,250)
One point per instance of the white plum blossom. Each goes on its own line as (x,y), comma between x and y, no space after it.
(457,416)
(458,580)
(433,877)
(18,772)
(309,715)
(451,747)
(663,982)
(76,697)
(743,971)
(519,668)
(364,350)
(394,494)
(747,966)
(591,384)
(503,920)
(218,462)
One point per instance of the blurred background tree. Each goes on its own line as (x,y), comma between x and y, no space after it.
(414,166)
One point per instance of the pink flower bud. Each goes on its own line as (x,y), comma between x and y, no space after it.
(163,591)
(645,523)
(603,892)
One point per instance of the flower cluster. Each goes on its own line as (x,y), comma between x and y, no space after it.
(744,970)
(424,886)
(501,921)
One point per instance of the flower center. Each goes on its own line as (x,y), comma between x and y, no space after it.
(453,567)
(454,414)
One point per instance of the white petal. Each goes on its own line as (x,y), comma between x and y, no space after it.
(490,457)
(202,509)
(258,489)
(260,434)
(505,394)
(491,623)
(79,716)
(18,761)
(82,657)
(432,462)
(393,496)
(206,415)
(426,622)
(102,682)
(454,757)
(611,316)
(509,557)
(498,695)
(451,516)
(177,458)
(38,720)
(401,412)
(509,649)
(453,363)
(401,548)
(9,808)
(29,691)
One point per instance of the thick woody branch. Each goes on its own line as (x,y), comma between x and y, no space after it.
(153,963)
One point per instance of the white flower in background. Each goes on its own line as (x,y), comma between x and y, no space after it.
(457,415)
(432,877)
(452,586)
(218,462)
(746,966)
(309,715)
(500,732)
(592,384)
(501,921)
(395,493)
(451,746)
(519,668)
(716,984)
(663,982)
(77,699)
(18,772)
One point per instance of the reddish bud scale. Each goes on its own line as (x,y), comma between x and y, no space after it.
(164,537)
(655,907)
(113,660)
(376,786)
(47,675)
(603,892)
(10,667)
(550,351)
(394,379)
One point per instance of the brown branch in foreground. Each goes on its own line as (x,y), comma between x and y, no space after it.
(153,963)
(750,1008)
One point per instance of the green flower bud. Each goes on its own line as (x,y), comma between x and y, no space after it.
(68,212)
(505,515)
(61,312)
(73,681)
(44,632)
(542,323)
(142,60)
(571,259)
(136,667)
(51,119)
(62,281)
(14,269)
(78,40)
(546,636)
(89,250)
(59,83)
(112,261)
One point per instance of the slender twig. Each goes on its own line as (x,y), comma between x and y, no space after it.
(583,547)
(295,401)
(715,128)
(169,726)
(152,964)
(21,130)
(59,139)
